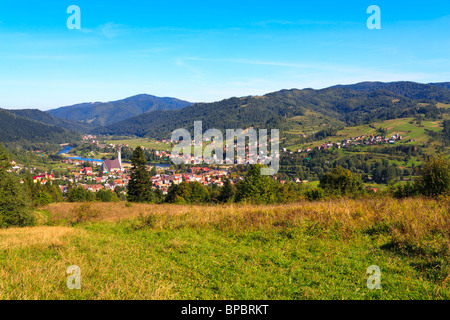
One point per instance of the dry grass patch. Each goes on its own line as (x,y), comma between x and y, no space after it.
(39,236)
(410,221)
(291,251)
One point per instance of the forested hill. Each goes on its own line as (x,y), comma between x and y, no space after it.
(106,113)
(14,128)
(445,85)
(437,92)
(46,118)
(271,111)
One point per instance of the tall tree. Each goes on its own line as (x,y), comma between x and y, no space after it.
(14,201)
(228,192)
(257,188)
(140,186)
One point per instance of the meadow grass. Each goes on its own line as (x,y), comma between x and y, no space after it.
(407,127)
(305,250)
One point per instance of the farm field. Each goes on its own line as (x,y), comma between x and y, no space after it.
(141,142)
(149,144)
(307,250)
(406,127)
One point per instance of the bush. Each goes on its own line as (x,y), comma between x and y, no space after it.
(341,181)
(316,194)
(42,198)
(79,194)
(107,196)
(290,192)
(405,190)
(227,192)
(434,177)
(187,193)
(145,221)
(85,212)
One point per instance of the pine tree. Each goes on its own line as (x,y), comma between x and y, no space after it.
(140,186)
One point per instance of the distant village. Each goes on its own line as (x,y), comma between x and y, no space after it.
(110,174)
(355,141)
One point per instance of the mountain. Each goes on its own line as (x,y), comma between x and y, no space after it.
(437,92)
(14,128)
(270,111)
(445,85)
(106,113)
(46,118)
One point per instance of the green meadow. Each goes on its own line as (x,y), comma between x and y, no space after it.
(299,251)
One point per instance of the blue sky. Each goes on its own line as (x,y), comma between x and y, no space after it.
(212,50)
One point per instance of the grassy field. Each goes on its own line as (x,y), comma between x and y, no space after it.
(142,142)
(151,144)
(297,251)
(407,127)
(443,105)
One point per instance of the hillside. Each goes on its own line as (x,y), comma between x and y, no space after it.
(46,118)
(271,111)
(437,92)
(14,128)
(106,113)
(445,85)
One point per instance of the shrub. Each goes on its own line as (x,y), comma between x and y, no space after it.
(145,221)
(85,212)
(434,177)
(187,193)
(405,190)
(227,192)
(315,194)
(42,198)
(107,196)
(79,194)
(341,181)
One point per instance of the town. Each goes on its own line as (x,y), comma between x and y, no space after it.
(114,174)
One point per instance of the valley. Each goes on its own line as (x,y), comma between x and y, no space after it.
(352,191)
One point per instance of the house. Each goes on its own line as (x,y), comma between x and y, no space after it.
(95,187)
(44,177)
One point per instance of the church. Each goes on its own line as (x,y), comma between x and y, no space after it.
(115,165)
